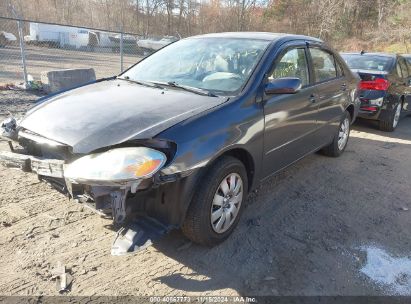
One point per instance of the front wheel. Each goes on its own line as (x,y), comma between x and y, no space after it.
(217,204)
(340,140)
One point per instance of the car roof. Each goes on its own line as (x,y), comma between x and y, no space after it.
(406,55)
(258,35)
(370,54)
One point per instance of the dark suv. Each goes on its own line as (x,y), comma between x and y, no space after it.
(182,137)
(384,87)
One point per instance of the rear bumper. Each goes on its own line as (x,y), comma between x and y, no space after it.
(379,107)
(381,114)
(373,115)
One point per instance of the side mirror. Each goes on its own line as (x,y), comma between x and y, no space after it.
(286,85)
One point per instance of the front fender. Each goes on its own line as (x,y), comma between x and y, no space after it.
(201,140)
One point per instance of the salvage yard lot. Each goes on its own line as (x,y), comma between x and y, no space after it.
(315,229)
(40,59)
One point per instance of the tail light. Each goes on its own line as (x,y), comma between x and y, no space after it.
(379,84)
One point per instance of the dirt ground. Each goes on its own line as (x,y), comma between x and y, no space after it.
(324,226)
(41,59)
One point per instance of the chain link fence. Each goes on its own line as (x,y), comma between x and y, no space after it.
(29,48)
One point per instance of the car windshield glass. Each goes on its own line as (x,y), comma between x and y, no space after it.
(408,60)
(368,62)
(218,65)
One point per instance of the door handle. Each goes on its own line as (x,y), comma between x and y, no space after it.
(312,98)
(343,87)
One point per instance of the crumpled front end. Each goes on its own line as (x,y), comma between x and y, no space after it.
(144,193)
(98,181)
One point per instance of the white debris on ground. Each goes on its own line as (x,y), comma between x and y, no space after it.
(393,273)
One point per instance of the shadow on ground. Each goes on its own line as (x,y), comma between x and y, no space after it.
(301,230)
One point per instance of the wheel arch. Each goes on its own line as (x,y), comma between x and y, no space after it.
(350,109)
(244,157)
(240,153)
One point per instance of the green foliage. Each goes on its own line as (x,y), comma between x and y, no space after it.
(400,48)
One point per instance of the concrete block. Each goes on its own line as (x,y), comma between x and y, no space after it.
(57,80)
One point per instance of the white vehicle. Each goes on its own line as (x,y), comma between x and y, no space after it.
(6,38)
(153,44)
(100,39)
(58,35)
(67,37)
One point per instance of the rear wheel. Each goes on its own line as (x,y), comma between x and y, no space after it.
(218,203)
(391,120)
(340,140)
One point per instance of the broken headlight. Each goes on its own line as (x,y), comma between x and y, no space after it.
(117,165)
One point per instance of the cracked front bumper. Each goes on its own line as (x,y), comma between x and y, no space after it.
(107,198)
(132,236)
(163,197)
(27,163)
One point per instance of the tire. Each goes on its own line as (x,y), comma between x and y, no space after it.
(391,119)
(198,226)
(338,145)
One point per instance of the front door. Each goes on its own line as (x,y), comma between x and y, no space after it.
(290,119)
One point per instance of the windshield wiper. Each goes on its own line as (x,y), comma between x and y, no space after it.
(187,88)
(144,83)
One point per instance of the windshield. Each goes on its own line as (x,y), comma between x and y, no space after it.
(368,62)
(218,65)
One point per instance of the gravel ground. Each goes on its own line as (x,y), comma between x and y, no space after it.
(307,231)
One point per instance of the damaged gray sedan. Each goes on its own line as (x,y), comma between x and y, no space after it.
(179,139)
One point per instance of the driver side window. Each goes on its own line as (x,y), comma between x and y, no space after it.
(292,64)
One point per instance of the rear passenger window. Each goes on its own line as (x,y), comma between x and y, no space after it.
(323,65)
(292,64)
(340,71)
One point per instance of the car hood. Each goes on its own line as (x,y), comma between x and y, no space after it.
(111,112)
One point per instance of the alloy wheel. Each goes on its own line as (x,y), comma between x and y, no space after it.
(397,116)
(343,134)
(226,203)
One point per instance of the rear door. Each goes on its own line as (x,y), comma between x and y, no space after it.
(290,119)
(331,91)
